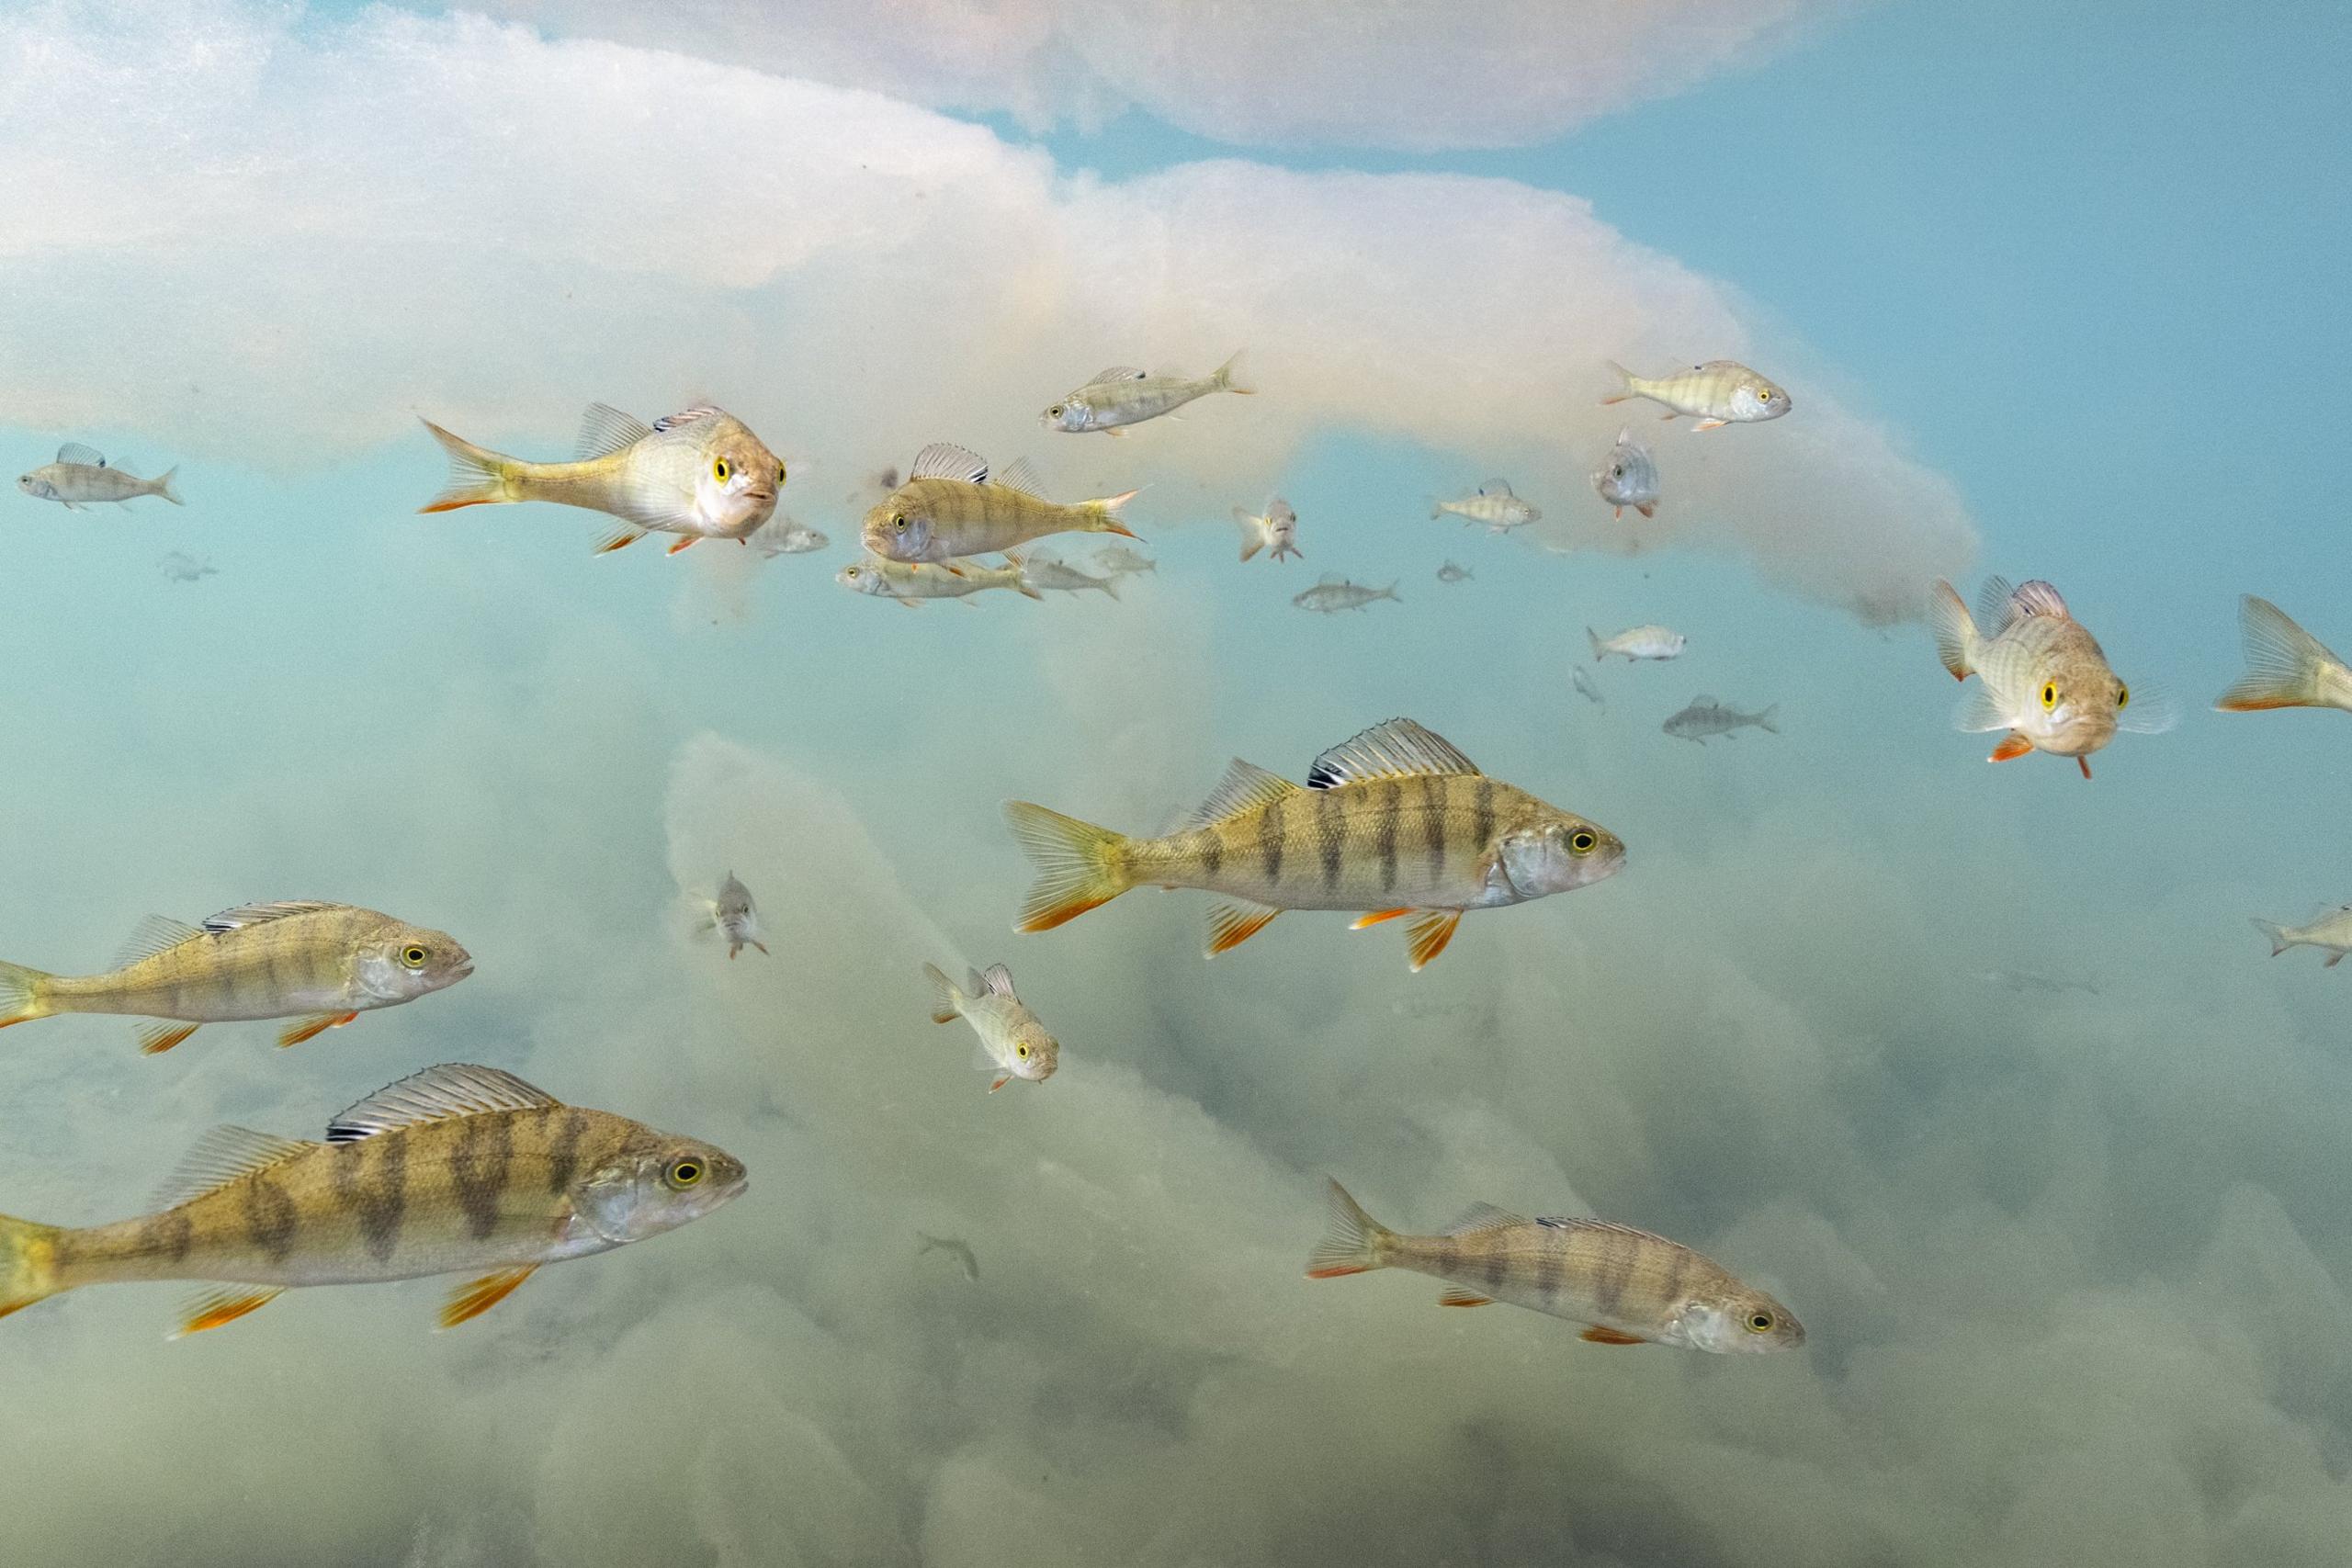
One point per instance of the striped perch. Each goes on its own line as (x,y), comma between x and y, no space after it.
(1633,1288)
(1394,822)
(456,1169)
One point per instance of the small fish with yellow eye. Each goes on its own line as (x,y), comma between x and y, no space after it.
(1720,392)
(2041,676)
(700,474)
(1012,1043)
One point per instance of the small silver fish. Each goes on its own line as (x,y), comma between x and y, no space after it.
(1494,505)
(912,582)
(1706,716)
(181,568)
(734,917)
(1583,683)
(959,1250)
(1124,395)
(1278,527)
(1335,593)
(1628,476)
(1721,392)
(782,536)
(1120,560)
(1450,572)
(1636,642)
(81,478)
(2017,980)
(2332,932)
(1013,1043)
(1051,572)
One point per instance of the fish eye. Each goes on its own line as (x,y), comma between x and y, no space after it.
(720,469)
(852,572)
(1759,1322)
(2049,696)
(1581,842)
(899,521)
(413,955)
(684,1173)
(1021,1049)
(1054,412)
(780,473)
(2122,696)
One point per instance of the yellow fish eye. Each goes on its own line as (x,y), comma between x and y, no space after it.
(413,956)
(853,571)
(719,469)
(684,1172)
(1759,1322)
(1021,1049)
(2049,696)
(1580,842)
(899,522)
(780,473)
(2122,696)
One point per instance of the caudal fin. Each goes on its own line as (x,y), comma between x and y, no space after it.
(945,996)
(1253,532)
(24,994)
(1764,721)
(477,474)
(1233,376)
(27,1263)
(2279,941)
(1103,506)
(1352,1241)
(1077,864)
(1020,577)
(2283,662)
(165,488)
(1599,653)
(1623,375)
(1955,633)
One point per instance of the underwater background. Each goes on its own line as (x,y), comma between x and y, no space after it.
(1981,1071)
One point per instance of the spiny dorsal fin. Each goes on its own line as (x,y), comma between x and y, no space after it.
(245,915)
(1245,788)
(1020,477)
(436,1094)
(1495,487)
(685,417)
(1116,373)
(945,460)
(1704,701)
(604,430)
(75,452)
(2038,598)
(156,934)
(1398,749)
(1581,1223)
(221,1156)
(1995,606)
(1479,1218)
(997,980)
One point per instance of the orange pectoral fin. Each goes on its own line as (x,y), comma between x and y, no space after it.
(2011,748)
(1429,935)
(1599,1335)
(1000,1083)
(1361,921)
(214,1308)
(475,1297)
(452,506)
(689,542)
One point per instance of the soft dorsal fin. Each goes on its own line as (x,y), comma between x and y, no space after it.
(1116,373)
(1398,749)
(75,452)
(945,460)
(685,417)
(604,430)
(1020,477)
(1482,1217)
(1495,487)
(245,915)
(221,1156)
(1704,701)
(997,980)
(2038,598)
(436,1094)
(1245,788)
(155,934)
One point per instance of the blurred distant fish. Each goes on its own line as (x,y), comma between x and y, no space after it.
(1706,716)
(1721,392)
(782,536)
(81,478)
(182,568)
(1450,572)
(2286,666)
(323,964)
(1013,1044)
(911,582)
(1335,593)
(1394,822)
(2041,676)
(734,917)
(1124,395)
(2017,980)
(1121,561)
(2332,932)
(1055,575)
(1633,1288)
(1583,683)
(457,1169)
(1494,505)
(949,507)
(960,1251)
(699,474)
(1636,643)
(1278,527)
(1628,476)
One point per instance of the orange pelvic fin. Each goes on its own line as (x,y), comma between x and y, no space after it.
(1458,1297)
(619,539)
(1361,921)
(2084,763)
(312,1027)
(1609,1337)
(689,542)
(475,1297)
(154,1039)
(1000,1083)
(2010,750)
(1429,935)
(215,1307)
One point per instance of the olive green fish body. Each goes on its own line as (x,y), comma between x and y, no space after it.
(950,508)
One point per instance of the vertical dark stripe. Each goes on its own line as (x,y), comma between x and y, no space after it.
(1331,829)
(270,1220)
(1392,797)
(377,1196)
(1270,837)
(478,1166)
(1551,1267)
(1615,1272)
(1212,848)
(564,1158)
(1482,829)
(1433,822)
(1498,1269)
(1676,1275)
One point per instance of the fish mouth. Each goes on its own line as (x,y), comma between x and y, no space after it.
(759,494)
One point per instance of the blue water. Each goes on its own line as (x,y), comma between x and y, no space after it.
(1983,1071)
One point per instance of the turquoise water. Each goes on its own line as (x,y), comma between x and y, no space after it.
(1981,1071)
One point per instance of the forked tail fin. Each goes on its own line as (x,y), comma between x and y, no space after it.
(24,994)
(477,475)
(27,1263)
(2279,941)
(1234,374)
(1078,864)
(165,488)
(2283,662)
(1352,1242)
